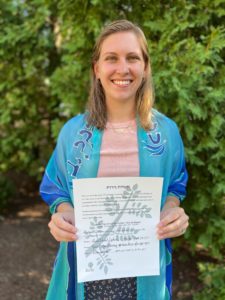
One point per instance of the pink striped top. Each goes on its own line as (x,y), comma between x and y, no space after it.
(119,150)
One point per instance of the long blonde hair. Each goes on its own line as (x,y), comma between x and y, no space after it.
(97,111)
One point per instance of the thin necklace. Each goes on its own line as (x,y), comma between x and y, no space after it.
(120,129)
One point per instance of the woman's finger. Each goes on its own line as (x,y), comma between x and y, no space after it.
(60,221)
(174,233)
(178,224)
(170,215)
(60,234)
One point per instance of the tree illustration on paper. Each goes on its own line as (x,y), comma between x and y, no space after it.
(101,246)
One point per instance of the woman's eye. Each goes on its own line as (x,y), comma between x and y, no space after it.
(133,58)
(111,58)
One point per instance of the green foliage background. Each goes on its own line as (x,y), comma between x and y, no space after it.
(45,51)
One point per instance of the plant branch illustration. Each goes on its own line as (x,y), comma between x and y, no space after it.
(138,209)
(103,260)
(129,194)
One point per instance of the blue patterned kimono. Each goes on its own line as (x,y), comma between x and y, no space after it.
(77,155)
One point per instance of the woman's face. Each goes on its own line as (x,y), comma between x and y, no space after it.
(120,67)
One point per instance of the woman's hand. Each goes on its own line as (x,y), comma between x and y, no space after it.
(62,224)
(173,220)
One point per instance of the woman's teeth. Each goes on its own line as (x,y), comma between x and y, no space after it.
(122,82)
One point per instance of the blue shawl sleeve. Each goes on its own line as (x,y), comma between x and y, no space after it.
(54,186)
(179,175)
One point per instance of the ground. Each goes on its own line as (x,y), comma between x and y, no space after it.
(27,253)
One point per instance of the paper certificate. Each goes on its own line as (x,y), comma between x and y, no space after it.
(116,219)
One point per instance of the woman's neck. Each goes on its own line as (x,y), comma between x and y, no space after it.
(120,113)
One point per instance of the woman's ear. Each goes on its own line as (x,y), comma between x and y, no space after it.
(96,70)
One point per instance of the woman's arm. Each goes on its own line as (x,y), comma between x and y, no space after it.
(54,190)
(173,219)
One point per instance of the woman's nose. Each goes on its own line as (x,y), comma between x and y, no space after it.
(122,67)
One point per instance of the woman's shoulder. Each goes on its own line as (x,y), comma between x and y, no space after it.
(165,124)
(162,119)
(72,125)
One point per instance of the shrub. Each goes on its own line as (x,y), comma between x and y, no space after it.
(213,276)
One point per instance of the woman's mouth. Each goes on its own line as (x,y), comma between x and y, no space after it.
(122,82)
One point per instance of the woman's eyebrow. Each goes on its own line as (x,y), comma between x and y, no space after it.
(114,53)
(111,53)
(134,53)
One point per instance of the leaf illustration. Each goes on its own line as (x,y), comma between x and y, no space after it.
(111,205)
(136,193)
(148,216)
(140,210)
(87,234)
(119,228)
(105,269)
(128,188)
(100,223)
(135,187)
(99,262)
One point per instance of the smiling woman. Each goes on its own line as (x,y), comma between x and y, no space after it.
(119,135)
(121,76)
(120,70)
